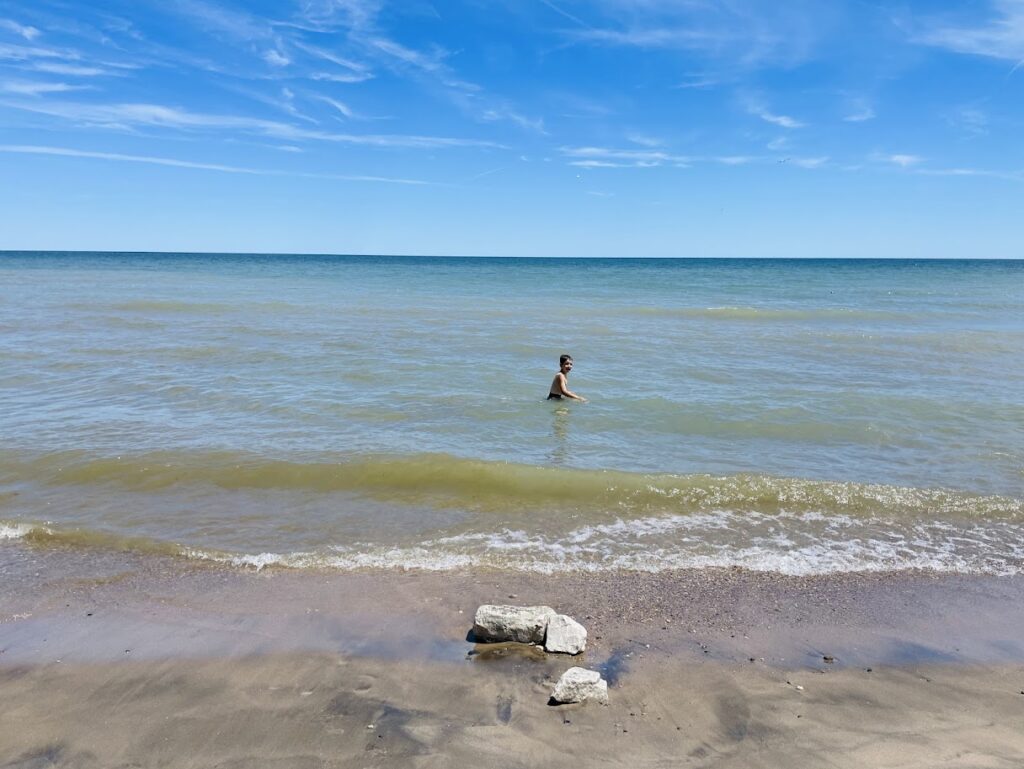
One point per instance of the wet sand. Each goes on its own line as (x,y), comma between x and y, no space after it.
(117,660)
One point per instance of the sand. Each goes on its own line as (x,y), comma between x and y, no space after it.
(118,660)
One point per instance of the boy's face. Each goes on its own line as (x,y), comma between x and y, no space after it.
(567,366)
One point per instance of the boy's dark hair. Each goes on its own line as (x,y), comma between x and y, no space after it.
(563,358)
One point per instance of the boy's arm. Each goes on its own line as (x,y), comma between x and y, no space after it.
(562,385)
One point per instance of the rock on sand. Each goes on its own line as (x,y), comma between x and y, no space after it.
(525,624)
(580,685)
(565,635)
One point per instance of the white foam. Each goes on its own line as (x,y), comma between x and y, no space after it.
(258,561)
(808,561)
(393,558)
(798,544)
(589,549)
(16,530)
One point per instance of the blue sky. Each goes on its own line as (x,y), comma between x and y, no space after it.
(537,127)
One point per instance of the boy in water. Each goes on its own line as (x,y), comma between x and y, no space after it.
(559,385)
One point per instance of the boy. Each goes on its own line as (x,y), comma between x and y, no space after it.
(559,386)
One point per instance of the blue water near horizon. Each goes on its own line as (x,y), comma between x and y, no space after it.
(894,380)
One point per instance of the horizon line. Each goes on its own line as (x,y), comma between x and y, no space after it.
(6,252)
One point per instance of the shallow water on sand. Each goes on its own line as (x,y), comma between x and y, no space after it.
(797,416)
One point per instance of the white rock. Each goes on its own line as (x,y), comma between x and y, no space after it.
(525,624)
(565,635)
(580,685)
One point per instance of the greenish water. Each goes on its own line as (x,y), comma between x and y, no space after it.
(796,416)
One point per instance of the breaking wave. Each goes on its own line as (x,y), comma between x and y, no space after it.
(791,544)
(490,486)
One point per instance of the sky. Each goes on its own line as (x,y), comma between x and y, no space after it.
(688,128)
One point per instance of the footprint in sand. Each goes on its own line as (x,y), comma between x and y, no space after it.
(364,683)
(505,702)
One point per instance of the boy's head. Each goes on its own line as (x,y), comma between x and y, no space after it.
(565,362)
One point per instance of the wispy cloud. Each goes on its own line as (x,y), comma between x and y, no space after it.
(282,99)
(780,120)
(739,34)
(428,64)
(1000,37)
(275,58)
(355,72)
(283,43)
(145,114)
(698,83)
(229,23)
(61,60)
(608,157)
(156,115)
(482,174)
(735,160)
(339,77)
(572,105)
(817,162)
(901,160)
(758,109)
(860,116)
(13,52)
(27,88)
(1013,176)
(505,112)
(174,162)
(651,37)
(345,41)
(970,120)
(22,149)
(612,157)
(29,33)
(616,164)
(340,106)
(565,14)
(474,101)
(645,141)
(859,111)
(70,70)
(329,15)
(432,61)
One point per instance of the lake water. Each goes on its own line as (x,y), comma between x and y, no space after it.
(801,416)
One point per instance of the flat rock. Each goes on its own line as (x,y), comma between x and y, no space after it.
(580,685)
(525,624)
(565,635)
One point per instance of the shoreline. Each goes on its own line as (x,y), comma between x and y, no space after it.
(946,617)
(193,664)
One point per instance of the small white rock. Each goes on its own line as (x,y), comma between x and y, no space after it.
(565,635)
(580,685)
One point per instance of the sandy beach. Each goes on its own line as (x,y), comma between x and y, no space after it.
(110,659)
